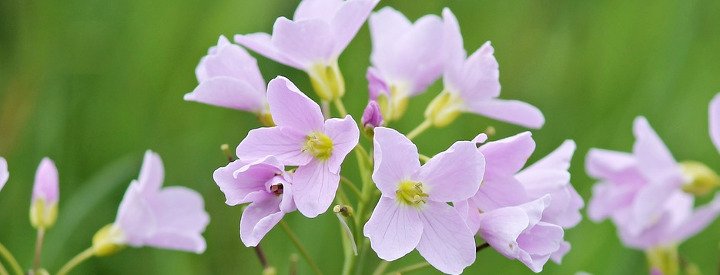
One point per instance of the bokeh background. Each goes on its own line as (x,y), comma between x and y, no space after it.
(93,84)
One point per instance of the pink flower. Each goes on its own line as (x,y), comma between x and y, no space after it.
(149,215)
(714,121)
(642,193)
(522,213)
(45,195)
(319,32)
(372,117)
(266,186)
(229,77)
(413,210)
(302,139)
(472,85)
(404,58)
(4,174)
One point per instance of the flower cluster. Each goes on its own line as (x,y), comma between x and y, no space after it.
(650,197)
(149,215)
(436,204)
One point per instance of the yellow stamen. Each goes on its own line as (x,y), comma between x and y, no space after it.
(319,145)
(411,193)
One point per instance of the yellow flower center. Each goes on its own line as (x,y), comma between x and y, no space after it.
(701,179)
(444,109)
(319,145)
(411,193)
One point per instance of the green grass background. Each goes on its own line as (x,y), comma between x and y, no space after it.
(93,84)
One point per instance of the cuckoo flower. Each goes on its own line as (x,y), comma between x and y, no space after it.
(472,85)
(302,139)
(149,215)
(229,77)
(521,213)
(313,40)
(404,58)
(413,210)
(4,174)
(642,192)
(715,121)
(372,117)
(266,186)
(45,196)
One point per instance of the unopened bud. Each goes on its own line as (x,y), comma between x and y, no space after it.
(701,179)
(108,241)
(444,109)
(372,117)
(45,196)
(269,271)
(490,131)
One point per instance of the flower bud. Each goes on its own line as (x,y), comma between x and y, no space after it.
(269,271)
(701,179)
(108,241)
(372,117)
(45,196)
(664,260)
(327,80)
(444,109)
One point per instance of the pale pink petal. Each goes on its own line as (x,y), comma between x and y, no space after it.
(480,139)
(314,188)
(619,167)
(446,243)
(454,174)
(306,42)
(262,44)
(507,156)
(564,209)
(538,243)
(393,229)
(46,185)
(135,216)
(347,21)
(386,25)
(230,93)
(480,76)
(287,201)
(653,157)
(714,121)
(258,218)
(501,227)
(291,108)
(648,205)
(700,218)
(501,192)
(511,111)
(238,180)
(345,135)
(470,214)
(317,9)
(558,255)
(152,172)
(180,219)
(283,143)
(232,61)
(396,159)
(608,199)
(454,52)
(4,174)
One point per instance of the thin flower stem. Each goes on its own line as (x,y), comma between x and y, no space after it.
(367,186)
(293,264)
(419,129)
(413,267)
(38,248)
(340,107)
(381,267)
(301,248)
(351,185)
(3,271)
(14,265)
(77,260)
(325,108)
(261,256)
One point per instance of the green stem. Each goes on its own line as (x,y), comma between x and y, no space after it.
(3,271)
(77,260)
(325,108)
(419,129)
(340,107)
(410,268)
(5,253)
(351,185)
(367,185)
(38,248)
(381,268)
(424,158)
(301,248)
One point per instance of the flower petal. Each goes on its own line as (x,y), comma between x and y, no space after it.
(291,108)
(498,193)
(135,216)
(314,188)
(714,121)
(46,185)
(238,180)
(258,218)
(507,156)
(454,51)
(653,158)
(454,174)
(501,227)
(348,20)
(230,93)
(180,217)
(317,9)
(305,42)
(393,229)
(558,255)
(538,243)
(446,243)
(613,166)
(344,134)
(480,76)
(700,218)
(470,214)
(152,173)
(4,174)
(262,44)
(396,159)
(283,143)
(511,111)
(232,61)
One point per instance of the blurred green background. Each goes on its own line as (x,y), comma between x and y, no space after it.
(93,84)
